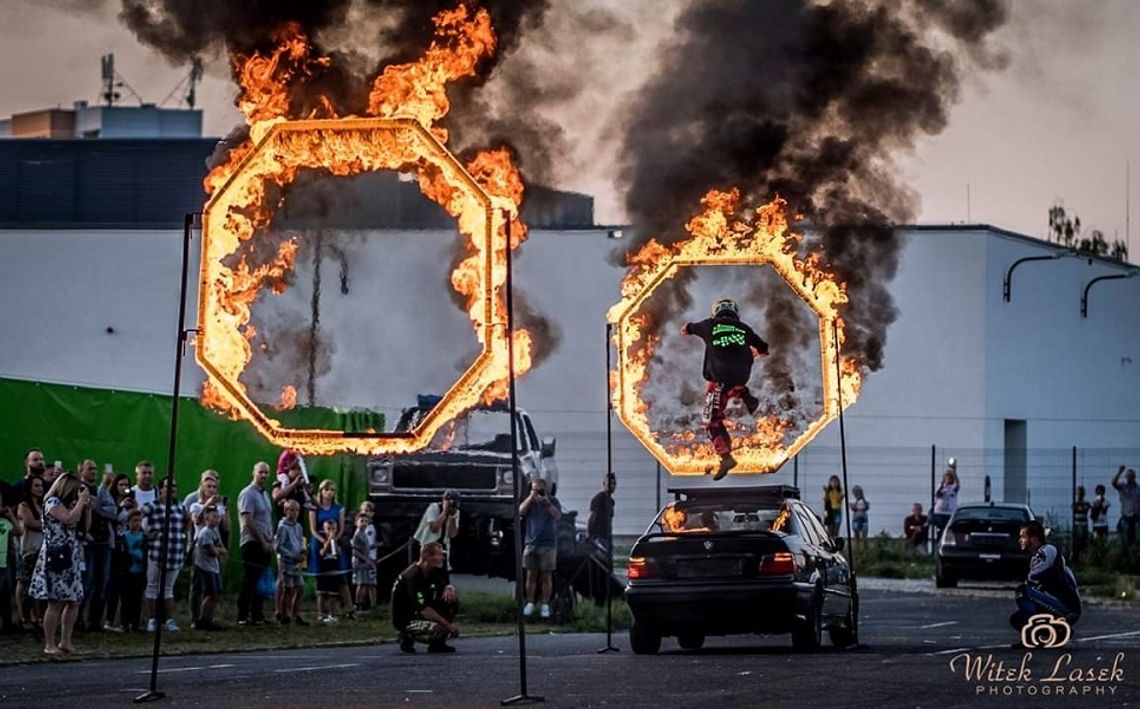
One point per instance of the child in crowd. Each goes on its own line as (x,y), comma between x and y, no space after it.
(859,508)
(291,555)
(329,574)
(208,555)
(133,581)
(363,566)
(373,545)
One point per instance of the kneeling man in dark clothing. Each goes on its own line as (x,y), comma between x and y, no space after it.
(424,603)
(1051,587)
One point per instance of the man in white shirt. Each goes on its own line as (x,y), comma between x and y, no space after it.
(144,489)
(440,523)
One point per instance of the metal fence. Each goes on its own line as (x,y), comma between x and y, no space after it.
(892,478)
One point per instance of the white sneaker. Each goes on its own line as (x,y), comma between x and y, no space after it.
(528,610)
(328,619)
(170,626)
(110,628)
(151,626)
(544,611)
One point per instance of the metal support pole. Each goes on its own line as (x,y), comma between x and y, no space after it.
(933,482)
(1073,499)
(1098,279)
(843,448)
(522,697)
(152,693)
(609,523)
(658,485)
(1007,283)
(796,471)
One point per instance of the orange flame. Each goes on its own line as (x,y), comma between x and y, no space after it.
(718,236)
(288,396)
(406,102)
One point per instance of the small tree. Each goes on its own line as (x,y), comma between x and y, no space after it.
(1066,230)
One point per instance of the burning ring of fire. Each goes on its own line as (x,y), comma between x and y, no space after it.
(348,146)
(720,238)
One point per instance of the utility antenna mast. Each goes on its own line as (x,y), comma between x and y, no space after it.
(112,82)
(194,78)
(109,94)
(190,81)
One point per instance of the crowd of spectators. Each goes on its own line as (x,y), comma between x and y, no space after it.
(80,552)
(918,528)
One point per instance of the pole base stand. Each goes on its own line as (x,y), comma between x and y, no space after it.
(151,696)
(522,699)
(609,648)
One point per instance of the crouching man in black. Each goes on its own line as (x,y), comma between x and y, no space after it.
(424,603)
(1051,587)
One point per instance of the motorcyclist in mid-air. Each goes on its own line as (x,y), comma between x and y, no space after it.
(730,347)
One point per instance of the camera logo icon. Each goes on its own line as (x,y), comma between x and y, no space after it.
(1045,631)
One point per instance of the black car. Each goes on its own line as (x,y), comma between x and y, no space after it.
(739,560)
(980,543)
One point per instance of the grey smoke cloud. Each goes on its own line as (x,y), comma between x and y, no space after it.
(810,101)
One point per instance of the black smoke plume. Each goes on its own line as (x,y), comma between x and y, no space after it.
(394,32)
(361,38)
(810,101)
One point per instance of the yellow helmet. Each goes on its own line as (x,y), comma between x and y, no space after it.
(725,306)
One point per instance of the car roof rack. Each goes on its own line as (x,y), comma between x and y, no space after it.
(737,492)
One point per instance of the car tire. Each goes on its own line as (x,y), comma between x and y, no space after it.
(942,580)
(643,639)
(807,634)
(847,635)
(691,641)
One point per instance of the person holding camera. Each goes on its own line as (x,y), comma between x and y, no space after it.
(945,501)
(57,578)
(540,514)
(1050,587)
(440,523)
(1129,503)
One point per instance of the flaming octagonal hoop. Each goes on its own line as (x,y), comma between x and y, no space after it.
(726,248)
(223,350)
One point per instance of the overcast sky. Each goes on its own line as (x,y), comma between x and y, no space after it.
(1060,123)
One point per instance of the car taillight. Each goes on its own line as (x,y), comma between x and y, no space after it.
(779,564)
(641,568)
(951,539)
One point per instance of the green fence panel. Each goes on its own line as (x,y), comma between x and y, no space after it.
(71,423)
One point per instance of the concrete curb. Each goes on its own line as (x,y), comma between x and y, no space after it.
(981,590)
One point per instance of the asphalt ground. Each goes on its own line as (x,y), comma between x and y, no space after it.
(909,642)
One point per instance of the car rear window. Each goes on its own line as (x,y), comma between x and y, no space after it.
(992,514)
(690,517)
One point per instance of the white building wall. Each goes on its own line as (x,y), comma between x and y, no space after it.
(959,361)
